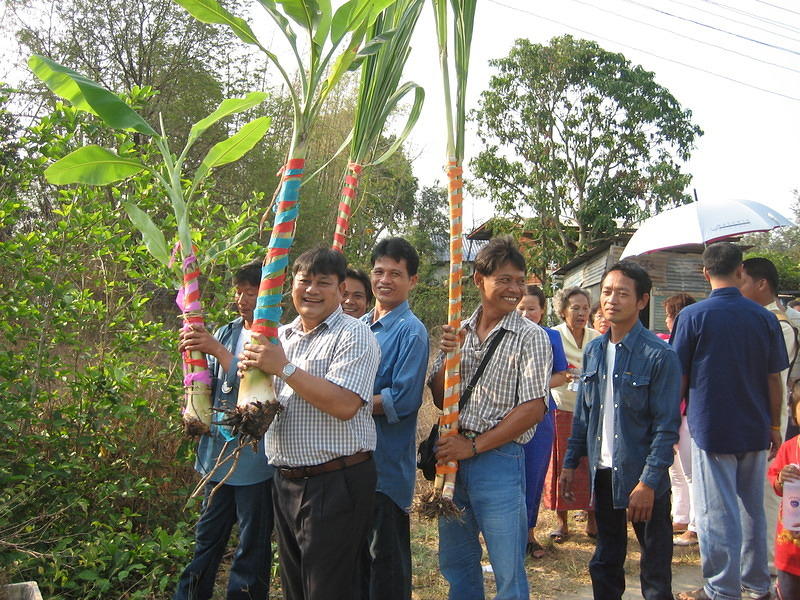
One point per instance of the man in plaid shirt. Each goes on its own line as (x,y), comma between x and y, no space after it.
(322,442)
(506,404)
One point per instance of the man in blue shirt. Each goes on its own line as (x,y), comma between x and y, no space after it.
(397,397)
(246,495)
(626,421)
(731,352)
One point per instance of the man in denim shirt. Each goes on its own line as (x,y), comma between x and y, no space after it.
(245,497)
(626,421)
(386,559)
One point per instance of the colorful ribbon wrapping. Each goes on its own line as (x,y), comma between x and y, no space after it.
(268,310)
(196,377)
(349,191)
(448,421)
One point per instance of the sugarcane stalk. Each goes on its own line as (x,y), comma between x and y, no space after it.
(440,501)
(347,196)
(257,404)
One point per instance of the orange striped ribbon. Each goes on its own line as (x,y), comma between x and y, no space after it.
(448,422)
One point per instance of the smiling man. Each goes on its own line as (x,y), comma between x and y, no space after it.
(626,421)
(322,442)
(397,397)
(507,402)
(357,293)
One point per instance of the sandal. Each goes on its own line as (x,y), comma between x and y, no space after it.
(698,594)
(534,549)
(558,536)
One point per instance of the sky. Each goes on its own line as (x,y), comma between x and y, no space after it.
(702,51)
(750,147)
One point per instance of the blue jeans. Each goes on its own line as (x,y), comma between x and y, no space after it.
(490,488)
(731,526)
(251,507)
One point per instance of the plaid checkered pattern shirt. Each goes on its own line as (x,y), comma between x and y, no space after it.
(344,351)
(518,372)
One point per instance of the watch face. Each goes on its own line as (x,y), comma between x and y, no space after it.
(287,370)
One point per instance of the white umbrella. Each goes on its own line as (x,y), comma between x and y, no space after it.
(702,222)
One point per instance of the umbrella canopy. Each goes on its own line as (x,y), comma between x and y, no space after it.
(702,222)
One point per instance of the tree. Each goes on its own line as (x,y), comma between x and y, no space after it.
(581,137)
(782,247)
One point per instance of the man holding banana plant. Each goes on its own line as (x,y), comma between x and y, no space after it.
(245,494)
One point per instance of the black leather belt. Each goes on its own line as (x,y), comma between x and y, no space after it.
(337,464)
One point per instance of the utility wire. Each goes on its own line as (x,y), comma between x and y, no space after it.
(688,37)
(737,21)
(737,10)
(664,58)
(789,10)
(718,29)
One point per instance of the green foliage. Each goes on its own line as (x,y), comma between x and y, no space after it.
(582,139)
(96,470)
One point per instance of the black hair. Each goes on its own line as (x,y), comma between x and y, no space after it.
(321,261)
(496,253)
(359,275)
(762,268)
(536,291)
(722,259)
(398,249)
(630,269)
(248,274)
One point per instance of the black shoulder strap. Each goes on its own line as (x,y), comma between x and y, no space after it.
(467,391)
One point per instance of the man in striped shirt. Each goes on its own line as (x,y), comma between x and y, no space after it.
(322,442)
(506,404)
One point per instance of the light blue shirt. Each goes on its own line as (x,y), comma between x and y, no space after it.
(252,467)
(401,376)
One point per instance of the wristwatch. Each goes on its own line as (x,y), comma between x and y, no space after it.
(287,371)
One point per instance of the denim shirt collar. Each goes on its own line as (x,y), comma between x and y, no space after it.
(630,339)
(387,321)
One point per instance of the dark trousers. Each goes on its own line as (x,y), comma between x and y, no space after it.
(251,507)
(788,586)
(386,555)
(607,567)
(322,524)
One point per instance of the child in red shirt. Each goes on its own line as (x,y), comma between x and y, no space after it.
(784,467)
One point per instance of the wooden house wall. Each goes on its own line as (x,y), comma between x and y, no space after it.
(671,272)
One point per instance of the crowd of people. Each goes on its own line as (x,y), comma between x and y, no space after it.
(668,433)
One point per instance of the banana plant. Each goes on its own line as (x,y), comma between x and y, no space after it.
(379,93)
(440,501)
(94,165)
(337,43)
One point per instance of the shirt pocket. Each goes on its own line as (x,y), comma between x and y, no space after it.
(588,381)
(635,390)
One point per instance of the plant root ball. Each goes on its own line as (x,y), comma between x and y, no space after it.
(432,506)
(252,420)
(194,427)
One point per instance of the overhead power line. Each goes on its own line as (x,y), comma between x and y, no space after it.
(745,13)
(712,27)
(789,10)
(687,37)
(737,21)
(647,52)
